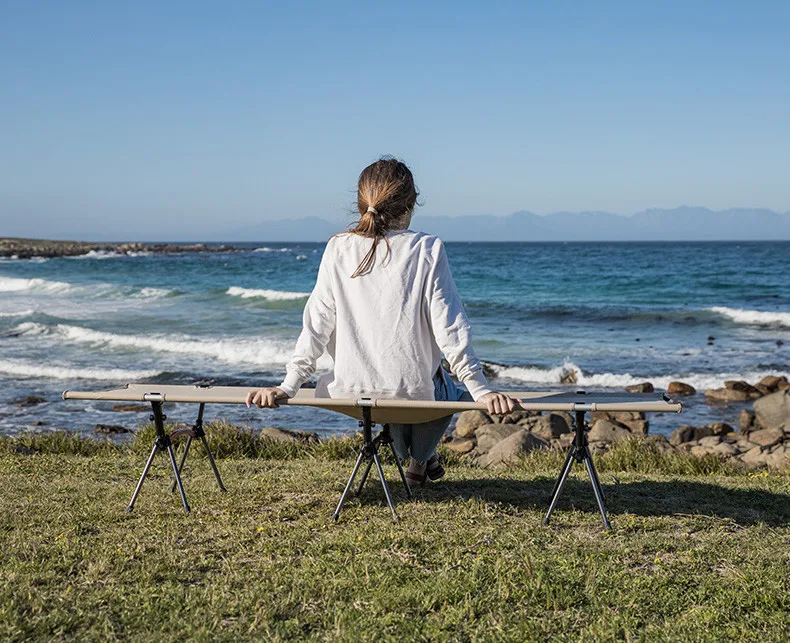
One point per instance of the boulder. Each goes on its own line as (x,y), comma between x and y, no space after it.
(746,420)
(699,451)
(726,395)
(772,382)
(520,417)
(680,388)
(688,433)
(745,387)
(773,411)
(551,426)
(281,435)
(464,445)
(637,427)
(512,448)
(720,428)
(709,441)
(779,458)
(766,437)
(607,431)
(30,400)
(726,449)
(755,457)
(490,434)
(131,408)
(468,422)
(621,417)
(643,387)
(110,429)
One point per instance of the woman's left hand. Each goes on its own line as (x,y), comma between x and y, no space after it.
(498,403)
(266,398)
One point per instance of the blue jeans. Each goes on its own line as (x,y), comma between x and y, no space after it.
(420,440)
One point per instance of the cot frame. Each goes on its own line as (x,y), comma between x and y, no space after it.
(370,411)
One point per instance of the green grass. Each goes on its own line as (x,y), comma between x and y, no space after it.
(699,550)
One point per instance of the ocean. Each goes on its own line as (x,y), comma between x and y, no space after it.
(615,313)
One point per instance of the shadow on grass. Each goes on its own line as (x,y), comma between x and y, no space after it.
(641,498)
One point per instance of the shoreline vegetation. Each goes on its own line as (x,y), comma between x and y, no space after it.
(697,550)
(15,248)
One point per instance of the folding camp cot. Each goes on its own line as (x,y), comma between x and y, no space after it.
(371,411)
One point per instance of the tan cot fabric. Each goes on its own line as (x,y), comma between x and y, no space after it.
(383,410)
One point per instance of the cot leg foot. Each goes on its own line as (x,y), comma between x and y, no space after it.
(579,451)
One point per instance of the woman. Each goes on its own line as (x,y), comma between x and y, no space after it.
(385,307)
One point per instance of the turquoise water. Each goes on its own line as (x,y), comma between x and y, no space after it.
(616,313)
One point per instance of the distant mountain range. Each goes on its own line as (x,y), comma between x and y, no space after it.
(678,224)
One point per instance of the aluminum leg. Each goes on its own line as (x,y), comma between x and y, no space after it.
(364,478)
(559,486)
(350,482)
(142,478)
(385,485)
(596,485)
(212,463)
(183,460)
(172,455)
(402,473)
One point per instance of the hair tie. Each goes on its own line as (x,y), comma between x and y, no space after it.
(372,209)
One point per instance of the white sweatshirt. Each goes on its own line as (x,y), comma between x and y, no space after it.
(385,330)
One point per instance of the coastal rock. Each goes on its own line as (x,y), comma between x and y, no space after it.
(464,445)
(130,408)
(710,441)
(607,431)
(773,411)
(688,433)
(766,437)
(754,457)
(779,459)
(699,451)
(282,435)
(110,429)
(746,420)
(680,388)
(726,449)
(637,427)
(490,434)
(643,387)
(512,448)
(726,395)
(773,382)
(739,385)
(720,428)
(468,422)
(30,400)
(521,417)
(551,426)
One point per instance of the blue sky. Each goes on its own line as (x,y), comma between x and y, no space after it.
(197,115)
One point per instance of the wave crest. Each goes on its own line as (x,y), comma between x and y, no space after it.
(20,368)
(271,295)
(754,317)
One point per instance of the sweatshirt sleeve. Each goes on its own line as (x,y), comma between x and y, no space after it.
(318,324)
(451,326)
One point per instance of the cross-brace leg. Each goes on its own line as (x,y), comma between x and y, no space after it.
(162,443)
(579,451)
(197,432)
(370,453)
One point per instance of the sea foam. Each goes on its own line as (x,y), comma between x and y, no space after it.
(15,284)
(553,377)
(19,368)
(755,317)
(271,295)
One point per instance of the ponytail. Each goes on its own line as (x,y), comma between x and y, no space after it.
(386,196)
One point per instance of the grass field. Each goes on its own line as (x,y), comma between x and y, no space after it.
(699,550)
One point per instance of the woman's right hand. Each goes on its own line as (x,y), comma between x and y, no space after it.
(498,403)
(266,398)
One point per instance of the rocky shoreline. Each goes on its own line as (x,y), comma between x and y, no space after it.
(14,248)
(762,439)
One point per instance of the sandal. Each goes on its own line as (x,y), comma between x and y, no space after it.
(415,474)
(434,468)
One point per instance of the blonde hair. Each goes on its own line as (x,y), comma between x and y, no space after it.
(386,197)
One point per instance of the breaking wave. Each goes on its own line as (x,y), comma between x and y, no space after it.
(271,295)
(554,376)
(754,317)
(15,284)
(258,352)
(20,368)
